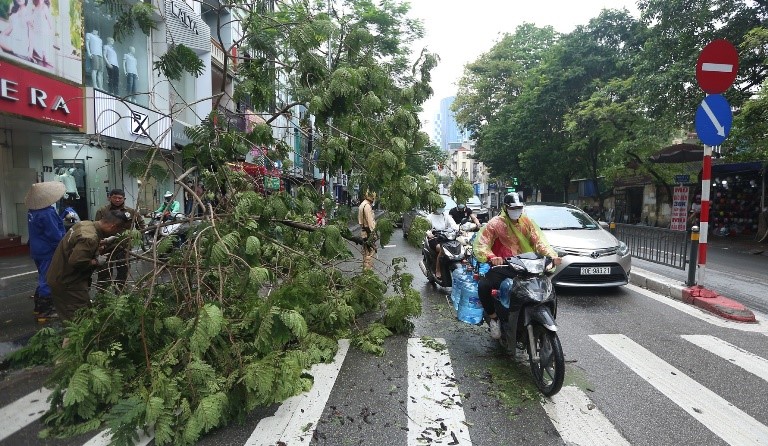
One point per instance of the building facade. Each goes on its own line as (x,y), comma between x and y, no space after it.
(79,101)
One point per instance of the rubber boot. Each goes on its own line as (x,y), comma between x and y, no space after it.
(46,310)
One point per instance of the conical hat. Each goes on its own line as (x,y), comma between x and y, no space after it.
(42,195)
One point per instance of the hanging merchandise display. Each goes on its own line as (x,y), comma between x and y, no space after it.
(735,204)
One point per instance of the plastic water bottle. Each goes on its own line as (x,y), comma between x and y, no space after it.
(470,308)
(457,281)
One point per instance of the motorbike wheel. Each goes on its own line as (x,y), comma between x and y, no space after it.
(549,370)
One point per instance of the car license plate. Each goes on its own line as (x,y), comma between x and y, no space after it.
(595,270)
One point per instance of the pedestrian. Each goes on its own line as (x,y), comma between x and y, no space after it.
(46,230)
(75,259)
(367,221)
(117,250)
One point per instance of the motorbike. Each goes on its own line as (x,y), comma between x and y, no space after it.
(526,306)
(456,246)
(163,225)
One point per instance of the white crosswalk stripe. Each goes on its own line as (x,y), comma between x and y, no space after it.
(23,411)
(724,419)
(435,412)
(296,419)
(750,362)
(579,421)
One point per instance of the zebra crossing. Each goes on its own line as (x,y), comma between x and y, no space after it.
(435,413)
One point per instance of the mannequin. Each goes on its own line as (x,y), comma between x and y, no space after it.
(94,50)
(113,69)
(70,184)
(131,72)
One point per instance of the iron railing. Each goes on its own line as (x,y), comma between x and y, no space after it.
(656,245)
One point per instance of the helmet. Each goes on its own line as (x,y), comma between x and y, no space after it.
(168,194)
(512,200)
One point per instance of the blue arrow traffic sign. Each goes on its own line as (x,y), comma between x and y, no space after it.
(713,120)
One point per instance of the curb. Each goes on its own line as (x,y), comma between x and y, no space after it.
(700,297)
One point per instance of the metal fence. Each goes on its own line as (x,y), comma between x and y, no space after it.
(656,245)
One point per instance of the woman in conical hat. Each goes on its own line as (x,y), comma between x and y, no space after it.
(42,195)
(46,229)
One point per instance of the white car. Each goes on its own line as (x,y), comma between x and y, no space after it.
(592,256)
(480,211)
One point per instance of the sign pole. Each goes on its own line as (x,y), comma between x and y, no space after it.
(706,184)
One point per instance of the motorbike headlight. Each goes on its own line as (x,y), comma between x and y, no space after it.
(623,249)
(537,289)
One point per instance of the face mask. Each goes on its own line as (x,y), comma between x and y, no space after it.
(461,207)
(439,210)
(514,214)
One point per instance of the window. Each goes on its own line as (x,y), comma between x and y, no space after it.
(120,68)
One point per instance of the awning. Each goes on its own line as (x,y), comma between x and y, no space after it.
(678,153)
(721,169)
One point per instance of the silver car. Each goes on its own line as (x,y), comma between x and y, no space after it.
(592,256)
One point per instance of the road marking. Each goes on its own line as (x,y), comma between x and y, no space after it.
(389,246)
(25,410)
(719,67)
(104,438)
(760,327)
(724,419)
(435,411)
(2,279)
(579,421)
(289,425)
(750,362)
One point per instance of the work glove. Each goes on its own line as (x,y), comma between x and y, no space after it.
(102,259)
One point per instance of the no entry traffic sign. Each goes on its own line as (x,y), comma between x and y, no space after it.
(717,66)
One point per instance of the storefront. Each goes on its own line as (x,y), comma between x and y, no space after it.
(35,109)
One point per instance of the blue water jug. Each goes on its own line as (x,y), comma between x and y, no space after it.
(457,283)
(470,308)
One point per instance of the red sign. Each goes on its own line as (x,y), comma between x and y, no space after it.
(717,66)
(26,93)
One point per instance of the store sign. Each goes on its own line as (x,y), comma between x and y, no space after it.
(112,117)
(35,96)
(185,27)
(679,208)
(139,124)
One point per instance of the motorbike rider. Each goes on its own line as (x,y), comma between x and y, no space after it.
(169,206)
(508,234)
(439,221)
(462,211)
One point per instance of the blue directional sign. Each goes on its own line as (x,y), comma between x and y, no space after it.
(713,120)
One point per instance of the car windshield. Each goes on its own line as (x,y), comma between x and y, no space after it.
(560,218)
(449,203)
(474,202)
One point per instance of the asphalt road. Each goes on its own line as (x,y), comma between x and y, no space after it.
(642,369)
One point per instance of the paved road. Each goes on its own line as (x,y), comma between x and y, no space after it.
(642,369)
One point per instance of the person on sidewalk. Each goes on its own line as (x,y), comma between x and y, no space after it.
(46,230)
(75,259)
(506,235)
(367,221)
(117,250)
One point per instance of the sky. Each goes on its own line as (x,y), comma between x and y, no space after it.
(460,31)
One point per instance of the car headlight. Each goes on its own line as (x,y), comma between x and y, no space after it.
(623,249)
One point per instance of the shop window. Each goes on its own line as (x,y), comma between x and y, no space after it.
(120,68)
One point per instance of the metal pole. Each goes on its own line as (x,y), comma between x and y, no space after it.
(706,186)
(692,261)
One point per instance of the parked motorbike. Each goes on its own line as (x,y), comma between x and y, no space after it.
(164,225)
(526,306)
